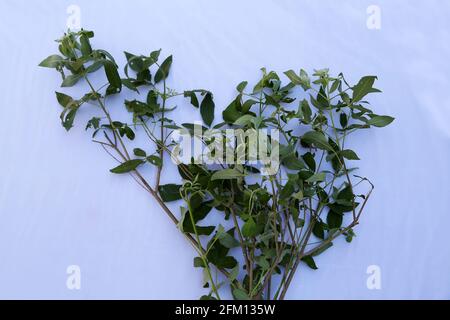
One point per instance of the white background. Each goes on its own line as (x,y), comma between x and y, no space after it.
(60,206)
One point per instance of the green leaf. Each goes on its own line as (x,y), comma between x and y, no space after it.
(201,231)
(341,208)
(154,55)
(245,120)
(227,174)
(226,239)
(93,123)
(139,152)
(334,219)
(380,121)
(234,273)
(343,120)
(155,160)
(247,105)
(85,48)
(193,96)
(240,294)
(250,228)
(71,80)
(298,195)
(301,80)
(198,262)
(310,161)
(318,139)
(335,85)
(231,113)
(305,111)
(52,61)
(170,192)
(292,162)
(318,177)
(127,166)
(217,255)
(349,154)
(288,190)
(199,212)
(194,128)
(67,117)
(207,109)
(136,63)
(127,131)
(163,70)
(295,79)
(94,67)
(112,74)
(306,84)
(346,194)
(322,249)
(318,229)
(64,100)
(364,87)
(241,86)
(309,262)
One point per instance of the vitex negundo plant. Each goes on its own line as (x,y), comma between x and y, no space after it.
(267,227)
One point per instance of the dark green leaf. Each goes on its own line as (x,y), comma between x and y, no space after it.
(318,139)
(240,294)
(94,67)
(227,174)
(93,123)
(322,249)
(295,79)
(301,80)
(364,87)
(85,48)
(305,110)
(231,113)
(251,229)
(349,154)
(334,220)
(127,166)
(52,61)
(318,177)
(241,86)
(155,160)
(309,262)
(64,100)
(163,70)
(112,75)
(310,161)
(217,255)
(67,117)
(343,120)
(318,229)
(380,121)
(226,239)
(293,162)
(207,109)
(71,80)
(193,96)
(139,152)
(198,263)
(170,192)
(136,63)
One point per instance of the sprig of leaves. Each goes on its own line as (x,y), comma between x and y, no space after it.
(277,221)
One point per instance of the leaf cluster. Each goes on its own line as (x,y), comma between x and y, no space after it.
(264,226)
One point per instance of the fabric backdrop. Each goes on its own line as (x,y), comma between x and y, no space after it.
(59,205)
